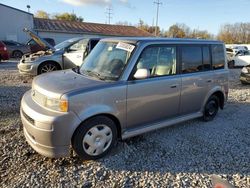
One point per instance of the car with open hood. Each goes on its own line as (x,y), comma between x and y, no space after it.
(125,87)
(65,55)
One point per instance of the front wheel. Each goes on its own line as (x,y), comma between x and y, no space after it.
(211,108)
(48,67)
(94,138)
(17,54)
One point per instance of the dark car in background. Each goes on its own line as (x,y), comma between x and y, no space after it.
(16,49)
(3,52)
(35,47)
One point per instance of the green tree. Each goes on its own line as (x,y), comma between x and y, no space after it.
(41,14)
(68,16)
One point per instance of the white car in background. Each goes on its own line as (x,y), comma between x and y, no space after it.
(240,60)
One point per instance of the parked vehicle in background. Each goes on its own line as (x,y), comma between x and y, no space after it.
(4,55)
(240,59)
(65,55)
(245,75)
(35,47)
(125,87)
(16,49)
(240,49)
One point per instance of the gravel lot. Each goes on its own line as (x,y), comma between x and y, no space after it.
(184,155)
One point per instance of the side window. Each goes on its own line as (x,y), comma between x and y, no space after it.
(206,59)
(159,61)
(93,43)
(218,56)
(191,59)
(80,45)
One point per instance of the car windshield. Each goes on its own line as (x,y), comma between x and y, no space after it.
(65,44)
(107,60)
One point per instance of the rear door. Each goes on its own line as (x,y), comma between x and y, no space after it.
(74,55)
(196,78)
(157,97)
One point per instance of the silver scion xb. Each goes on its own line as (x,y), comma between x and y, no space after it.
(125,87)
(65,55)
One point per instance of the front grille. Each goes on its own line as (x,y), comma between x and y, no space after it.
(29,119)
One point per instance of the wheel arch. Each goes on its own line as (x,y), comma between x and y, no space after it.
(218,93)
(48,61)
(16,51)
(111,116)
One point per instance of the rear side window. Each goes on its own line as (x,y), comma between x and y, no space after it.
(218,56)
(191,59)
(206,59)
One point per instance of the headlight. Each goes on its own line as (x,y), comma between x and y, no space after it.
(244,70)
(57,104)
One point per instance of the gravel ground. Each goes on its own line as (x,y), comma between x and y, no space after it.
(184,155)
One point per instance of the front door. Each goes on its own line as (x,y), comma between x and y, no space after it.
(155,98)
(74,55)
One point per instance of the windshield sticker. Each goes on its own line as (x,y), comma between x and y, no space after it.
(125,46)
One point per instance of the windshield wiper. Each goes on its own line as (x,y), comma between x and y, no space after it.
(95,74)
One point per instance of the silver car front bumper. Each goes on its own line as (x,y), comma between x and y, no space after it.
(47,132)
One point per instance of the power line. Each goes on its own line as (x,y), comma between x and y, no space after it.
(109,13)
(158,3)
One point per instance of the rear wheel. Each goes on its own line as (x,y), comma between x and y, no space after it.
(94,138)
(48,67)
(211,108)
(17,54)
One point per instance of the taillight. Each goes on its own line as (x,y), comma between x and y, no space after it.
(4,48)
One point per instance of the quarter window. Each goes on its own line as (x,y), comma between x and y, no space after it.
(218,56)
(159,61)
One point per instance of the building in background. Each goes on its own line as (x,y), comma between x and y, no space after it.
(13,21)
(61,30)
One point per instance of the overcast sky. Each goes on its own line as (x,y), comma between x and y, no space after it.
(197,14)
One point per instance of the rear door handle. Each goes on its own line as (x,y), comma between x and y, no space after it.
(209,81)
(173,86)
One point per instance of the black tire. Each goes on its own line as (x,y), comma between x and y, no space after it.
(48,67)
(17,54)
(85,131)
(211,108)
(231,64)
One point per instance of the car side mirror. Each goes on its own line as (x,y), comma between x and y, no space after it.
(141,74)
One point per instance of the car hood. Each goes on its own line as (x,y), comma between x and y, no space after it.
(39,40)
(57,83)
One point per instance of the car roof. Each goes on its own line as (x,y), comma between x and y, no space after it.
(162,40)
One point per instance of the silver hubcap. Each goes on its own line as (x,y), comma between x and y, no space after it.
(48,68)
(97,140)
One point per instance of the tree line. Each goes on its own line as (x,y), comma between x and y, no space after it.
(58,16)
(238,33)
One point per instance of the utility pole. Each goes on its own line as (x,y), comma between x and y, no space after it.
(109,13)
(158,3)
